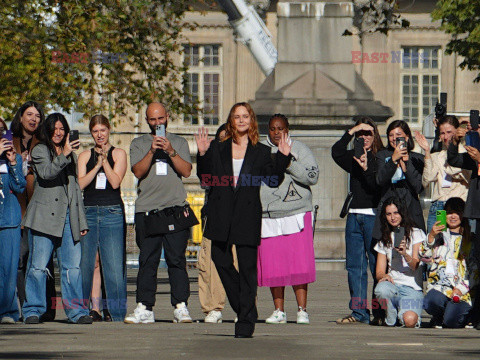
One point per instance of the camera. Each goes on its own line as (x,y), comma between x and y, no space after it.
(441,107)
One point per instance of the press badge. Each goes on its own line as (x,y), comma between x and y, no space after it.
(3,167)
(161,167)
(101,181)
(447,181)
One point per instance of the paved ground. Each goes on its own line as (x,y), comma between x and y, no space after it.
(323,339)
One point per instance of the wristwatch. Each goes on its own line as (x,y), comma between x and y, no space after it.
(173,154)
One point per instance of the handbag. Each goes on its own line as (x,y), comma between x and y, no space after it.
(346,205)
(169,220)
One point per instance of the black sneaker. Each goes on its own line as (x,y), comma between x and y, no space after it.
(32,320)
(435,324)
(85,319)
(95,315)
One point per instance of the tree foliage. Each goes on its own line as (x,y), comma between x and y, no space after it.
(92,55)
(461,18)
(375,16)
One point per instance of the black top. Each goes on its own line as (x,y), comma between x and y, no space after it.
(464,161)
(362,183)
(234,213)
(105,197)
(407,189)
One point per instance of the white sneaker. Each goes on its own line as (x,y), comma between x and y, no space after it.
(302,317)
(140,316)
(181,314)
(7,320)
(278,317)
(214,317)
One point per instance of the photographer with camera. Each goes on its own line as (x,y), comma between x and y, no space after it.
(399,173)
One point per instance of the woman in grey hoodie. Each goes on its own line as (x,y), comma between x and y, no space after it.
(285,254)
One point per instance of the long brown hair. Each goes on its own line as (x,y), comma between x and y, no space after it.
(387,229)
(377,144)
(231,131)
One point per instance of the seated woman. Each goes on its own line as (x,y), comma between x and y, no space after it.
(452,269)
(398,274)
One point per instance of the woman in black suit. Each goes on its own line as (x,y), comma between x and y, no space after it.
(234,169)
(399,173)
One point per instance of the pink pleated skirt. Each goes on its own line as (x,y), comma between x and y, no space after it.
(287,260)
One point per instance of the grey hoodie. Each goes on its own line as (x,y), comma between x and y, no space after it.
(293,196)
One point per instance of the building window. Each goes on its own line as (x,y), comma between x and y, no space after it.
(204,82)
(420,81)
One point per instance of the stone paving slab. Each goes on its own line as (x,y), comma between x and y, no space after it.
(322,339)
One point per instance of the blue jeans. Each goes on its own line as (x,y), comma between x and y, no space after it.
(360,255)
(69,255)
(106,235)
(9,255)
(432,214)
(454,315)
(399,299)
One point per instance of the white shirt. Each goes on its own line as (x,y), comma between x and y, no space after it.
(400,272)
(282,226)
(237,166)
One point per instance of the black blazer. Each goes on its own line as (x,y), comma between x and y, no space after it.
(407,189)
(234,214)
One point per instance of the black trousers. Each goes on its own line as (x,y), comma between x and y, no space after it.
(241,285)
(175,246)
(22,270)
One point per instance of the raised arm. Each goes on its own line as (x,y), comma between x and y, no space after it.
(45,168)
(303,167)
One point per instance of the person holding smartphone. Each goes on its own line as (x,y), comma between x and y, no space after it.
(448,181)
(399,173)
(56,220)
(399,287)
(361,216)
(453,269)
(12,183)
(24,128)
(100,173)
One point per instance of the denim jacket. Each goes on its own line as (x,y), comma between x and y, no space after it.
(13,183)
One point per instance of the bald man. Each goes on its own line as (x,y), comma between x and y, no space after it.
(159,163)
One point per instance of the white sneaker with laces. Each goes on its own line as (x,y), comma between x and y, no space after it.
(181,314)
(214,317)
(140,316)
(7,320)
(302,317)
(278,317)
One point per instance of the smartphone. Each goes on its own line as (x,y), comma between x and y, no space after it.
(474,119)
(472,138)
(358,146)
(442,217)
(8,135)
(398,236)
(160,130)
(400,142)
(443,99)
(74,135)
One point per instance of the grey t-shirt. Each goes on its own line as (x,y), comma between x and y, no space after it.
(159,191)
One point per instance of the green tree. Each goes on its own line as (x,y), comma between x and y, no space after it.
(461,18)
(92,55)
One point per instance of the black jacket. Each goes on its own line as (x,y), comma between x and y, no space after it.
(408,189)
(362,183)
(234,214)
(464,161)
